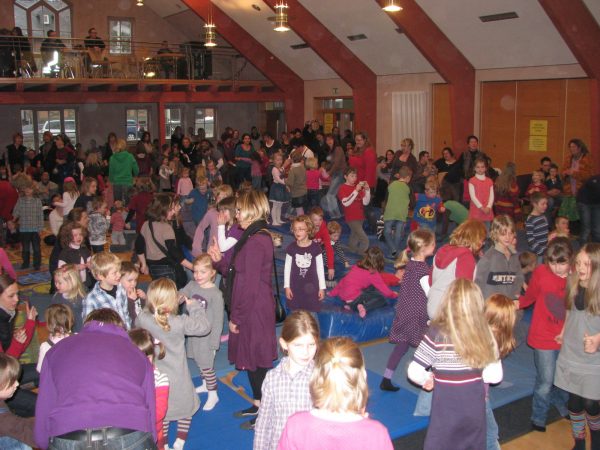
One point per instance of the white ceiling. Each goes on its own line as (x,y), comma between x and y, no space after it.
(530,40)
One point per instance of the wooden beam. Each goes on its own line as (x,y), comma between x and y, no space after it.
(346,64)
(581,33)
(267,63)
(447,60)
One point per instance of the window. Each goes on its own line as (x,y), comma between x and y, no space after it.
(36,18)
(205,118)
(35,122)
(121,33)
(172,120)
(338,103)
(137,123)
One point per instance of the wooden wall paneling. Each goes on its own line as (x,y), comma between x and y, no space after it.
(497,131)
(578,117)
(441,129)
(543,100)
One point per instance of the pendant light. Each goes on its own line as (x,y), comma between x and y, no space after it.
(392,6)
(210,35)
(281,17)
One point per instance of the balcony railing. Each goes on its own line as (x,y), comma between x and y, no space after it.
(69,58)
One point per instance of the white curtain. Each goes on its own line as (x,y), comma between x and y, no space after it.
(410,119)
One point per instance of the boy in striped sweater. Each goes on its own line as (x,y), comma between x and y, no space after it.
(536,224)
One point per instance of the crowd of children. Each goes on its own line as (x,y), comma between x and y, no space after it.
(457,305)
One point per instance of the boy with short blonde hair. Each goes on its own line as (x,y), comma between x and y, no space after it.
(107,292)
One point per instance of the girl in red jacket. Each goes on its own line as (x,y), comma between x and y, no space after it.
(547,290)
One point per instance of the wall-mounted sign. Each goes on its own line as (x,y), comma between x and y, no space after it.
(538,135)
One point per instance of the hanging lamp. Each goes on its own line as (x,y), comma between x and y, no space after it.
(281,17)
(392,6)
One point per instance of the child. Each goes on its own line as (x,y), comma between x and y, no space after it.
(161,320)
(536,225)
(341,264)
(118,225)
(506,193)
(56,216)
(312,182)
(213,174)
(256,170)
(528,261)
(16,432)
(165,172)
(107,292)
(363,288)
(537,184)
(285,389)
(321,236)
(410,319)
(228,232)
(59,322)
(210,220)
(355,197)
(136,298)
(339,392)
(146,343)
(184,185)
(70,291)
(99,223)
(498,271)
(501,317)
(28,210)
(69,197)
(554,186)
(89,187)
(546,291)
(561,228)
(296,182)
(74,250)
(324,178)
(396,210)
(427,206)
(304,277)
(278,193)
(481,192)
(203,348)
(199,198)
(576,367)
(461,351)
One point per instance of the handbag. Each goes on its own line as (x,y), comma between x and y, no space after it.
(280,312)
(181,278)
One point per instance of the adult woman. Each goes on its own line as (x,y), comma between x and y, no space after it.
(144,145)
(109,148)
(177,136)
(144,154)
(242,159)
(252,345)
(122,167)
(337,158)
(364,150)
(16,153)
(384,173)
(23,54)
(577,168)
(13,342)
(404,157)
(189,154)
(451,168)
(156,245)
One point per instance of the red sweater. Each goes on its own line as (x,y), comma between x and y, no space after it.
(16,348)
(547,291)
(356,209)
(323,236)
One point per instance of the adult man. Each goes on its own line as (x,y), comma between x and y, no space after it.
(95,47)
(51,49)
(46,188)
(96,386)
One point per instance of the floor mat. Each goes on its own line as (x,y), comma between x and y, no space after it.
(34,278)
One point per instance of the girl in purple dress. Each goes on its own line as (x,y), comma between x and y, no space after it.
(410,321)
(304,275)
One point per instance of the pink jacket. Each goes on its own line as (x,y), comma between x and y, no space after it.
(352,285)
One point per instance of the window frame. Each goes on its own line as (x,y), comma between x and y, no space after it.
(38,134)
(115,43)
(137,120)
(214,121)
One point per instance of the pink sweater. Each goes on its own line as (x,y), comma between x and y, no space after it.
(184,186)
(6,265)
(358,279)
(312,179)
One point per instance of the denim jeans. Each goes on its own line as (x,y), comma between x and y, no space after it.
(423,406)
(329,202)
(393,239)
(137,440)
(8,443)
(589,216)
(31,240)
(544,391)
(491,437)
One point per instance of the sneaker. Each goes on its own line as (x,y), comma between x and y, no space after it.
(248,412)
(540,428)
(386,385)
(248,425)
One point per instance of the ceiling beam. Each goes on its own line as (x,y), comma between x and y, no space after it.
(447,60)
(581,33)
(267,63)
(346,64)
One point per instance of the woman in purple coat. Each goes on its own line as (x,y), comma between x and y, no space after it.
(252,344)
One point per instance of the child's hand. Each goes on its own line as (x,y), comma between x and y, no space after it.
(233,328)
(559,338)
(20,335)
(591,343)
(428,385)
(321,295)
(288,293)
(221,219)
(214,251)
(30,311)
(141,294)
(330,273)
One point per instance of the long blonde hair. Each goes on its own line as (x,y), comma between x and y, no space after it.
(162,301)
(461,319)
(339,380)
(70,275)
(592,290)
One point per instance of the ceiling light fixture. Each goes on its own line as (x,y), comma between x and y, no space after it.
(281,17)
(392,7)
(140,3)
(210,35)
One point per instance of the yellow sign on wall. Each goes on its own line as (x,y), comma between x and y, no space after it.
(328,122)
(538,135)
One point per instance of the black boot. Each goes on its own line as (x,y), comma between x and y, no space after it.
(386,385)
(579,444)
(595,434)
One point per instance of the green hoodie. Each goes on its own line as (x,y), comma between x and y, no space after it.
(122,168)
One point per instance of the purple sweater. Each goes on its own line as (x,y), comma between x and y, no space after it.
(94,379)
